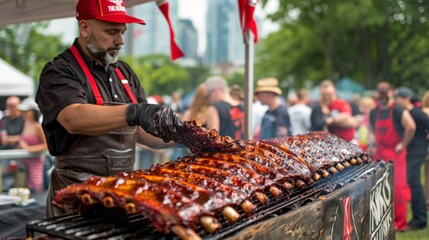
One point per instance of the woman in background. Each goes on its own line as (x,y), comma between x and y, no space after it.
(33,140)
(198,107)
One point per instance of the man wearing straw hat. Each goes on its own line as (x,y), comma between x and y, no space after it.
(275,122)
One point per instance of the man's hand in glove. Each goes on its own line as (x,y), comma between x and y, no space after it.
(159,121)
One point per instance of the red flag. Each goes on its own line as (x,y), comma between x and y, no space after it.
(164,6)
(246,9)
(249,22)
(241,9)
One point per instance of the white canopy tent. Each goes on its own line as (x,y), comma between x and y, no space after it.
(22,11)
(14,82)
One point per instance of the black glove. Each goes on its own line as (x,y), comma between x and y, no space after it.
(159,121)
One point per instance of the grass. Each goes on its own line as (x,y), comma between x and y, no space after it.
(414,235)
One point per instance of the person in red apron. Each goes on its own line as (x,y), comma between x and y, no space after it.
(387,121)
(92,103)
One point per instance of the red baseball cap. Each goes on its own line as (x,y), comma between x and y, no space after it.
(104,10)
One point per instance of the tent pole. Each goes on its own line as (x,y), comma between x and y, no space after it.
(248,84)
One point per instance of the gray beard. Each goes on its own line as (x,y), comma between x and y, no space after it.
(99,53)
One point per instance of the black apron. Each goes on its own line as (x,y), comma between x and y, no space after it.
(101,155)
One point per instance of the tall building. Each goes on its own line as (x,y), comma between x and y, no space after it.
(188,39)
(154,37)
(224,34)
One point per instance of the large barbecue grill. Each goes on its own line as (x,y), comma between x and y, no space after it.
(115,223)
(228,186)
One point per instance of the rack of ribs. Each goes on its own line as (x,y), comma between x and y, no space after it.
(193,190)
(200,139)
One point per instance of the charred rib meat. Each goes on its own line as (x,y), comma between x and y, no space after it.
(200,139)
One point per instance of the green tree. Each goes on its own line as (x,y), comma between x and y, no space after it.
(28,48)
(368,40)
(236,78)
(159,75)
(197,75)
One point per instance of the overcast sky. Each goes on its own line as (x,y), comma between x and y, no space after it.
(187,9)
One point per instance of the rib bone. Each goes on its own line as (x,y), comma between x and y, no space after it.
(230,214)
(185,233)
(209,223)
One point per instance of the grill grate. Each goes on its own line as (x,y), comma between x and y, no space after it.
(115,223)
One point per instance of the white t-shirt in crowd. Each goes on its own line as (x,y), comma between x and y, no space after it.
(299,115)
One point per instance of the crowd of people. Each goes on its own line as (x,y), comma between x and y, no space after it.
(21,129)
(391,124)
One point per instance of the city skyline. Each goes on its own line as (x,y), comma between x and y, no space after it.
(67,27)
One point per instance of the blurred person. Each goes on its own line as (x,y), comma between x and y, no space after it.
(292,98)
(425,108)
(276,122)
(176,102)
(300,113)
(237,93)
(258,112)
(199,105)
(225,114)
(94,107)
(13,123)
(177,106)
(354,104)
(32,139)
(366,105)
(425,102)
(318,118)
(333,114)
(393,128)
(417,150)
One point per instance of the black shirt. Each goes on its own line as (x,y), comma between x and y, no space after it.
(63,82)
(13,126)
(273,120)
(231,119)
(419,143)
(318,118)
(397,117)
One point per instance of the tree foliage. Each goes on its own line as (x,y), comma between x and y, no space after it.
(367,40)
(27,48)
(159,75)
